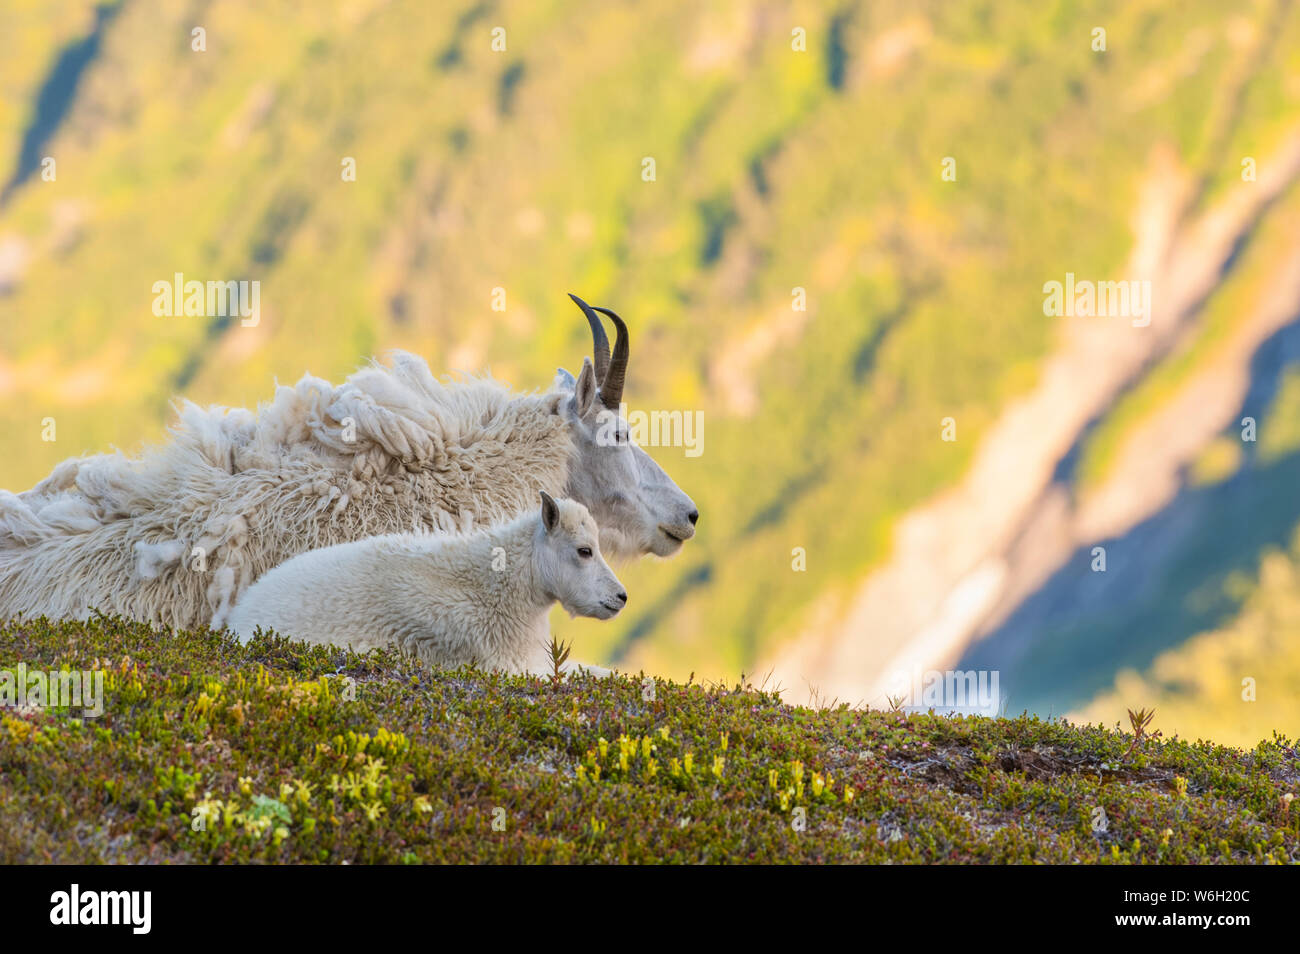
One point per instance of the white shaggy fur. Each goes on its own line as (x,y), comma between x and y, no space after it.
(175,535)
(479,599)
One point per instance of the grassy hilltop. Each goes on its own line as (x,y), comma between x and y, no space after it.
(776,169)
(212,752)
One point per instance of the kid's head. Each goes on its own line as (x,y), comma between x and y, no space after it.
(570,564)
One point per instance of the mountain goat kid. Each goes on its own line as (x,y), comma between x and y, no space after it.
(479,599)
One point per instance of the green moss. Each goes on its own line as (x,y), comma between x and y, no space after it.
(209,751)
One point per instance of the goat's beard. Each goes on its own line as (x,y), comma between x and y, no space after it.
(621,547)
(618,546)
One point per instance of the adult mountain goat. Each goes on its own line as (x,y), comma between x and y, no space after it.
(478,599)
(175,535)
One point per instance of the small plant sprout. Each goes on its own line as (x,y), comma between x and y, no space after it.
(557,654)
(1140,720)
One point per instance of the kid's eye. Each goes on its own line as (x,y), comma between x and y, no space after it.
(584,552)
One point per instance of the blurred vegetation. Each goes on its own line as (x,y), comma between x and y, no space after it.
(521,169)
(1198,600)
(1187,685)
(1235,681)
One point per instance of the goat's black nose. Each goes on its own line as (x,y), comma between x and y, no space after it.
(693,516)
(622,598)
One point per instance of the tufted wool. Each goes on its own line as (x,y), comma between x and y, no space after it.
(176,534)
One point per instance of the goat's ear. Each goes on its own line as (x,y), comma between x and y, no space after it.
(550,512)
(565,380)
(584,390)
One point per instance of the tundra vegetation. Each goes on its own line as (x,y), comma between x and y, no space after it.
(213,751)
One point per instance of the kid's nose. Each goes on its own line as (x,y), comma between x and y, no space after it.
(622,598)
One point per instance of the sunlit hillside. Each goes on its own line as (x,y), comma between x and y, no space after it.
(913,171)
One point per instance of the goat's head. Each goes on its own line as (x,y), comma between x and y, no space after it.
(636,505)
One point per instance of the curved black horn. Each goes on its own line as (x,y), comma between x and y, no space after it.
(611,388)
(599,343)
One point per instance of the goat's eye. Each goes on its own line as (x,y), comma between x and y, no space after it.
(584,552)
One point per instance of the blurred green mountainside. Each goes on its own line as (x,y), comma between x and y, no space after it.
(775,169)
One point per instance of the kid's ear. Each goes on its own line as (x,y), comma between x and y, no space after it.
(584,390)
(550,512)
